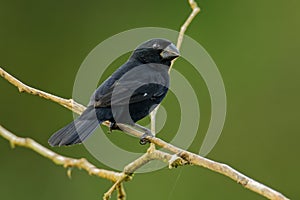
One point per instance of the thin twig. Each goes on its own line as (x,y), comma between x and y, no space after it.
(121,192)
(136,164)
(153,127)
(195,11)
(107,195)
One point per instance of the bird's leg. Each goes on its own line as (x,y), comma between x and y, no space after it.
(147,132)
(143,138)
(113,126)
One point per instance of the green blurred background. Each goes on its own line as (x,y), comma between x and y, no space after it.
(255,44)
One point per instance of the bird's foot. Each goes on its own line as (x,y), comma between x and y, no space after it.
(144,140)
(113,126)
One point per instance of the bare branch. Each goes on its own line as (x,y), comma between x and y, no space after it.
(195,11)
(68,103)
(67,162)
(220,168)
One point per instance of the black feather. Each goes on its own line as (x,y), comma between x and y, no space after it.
(77,131)
(128,95)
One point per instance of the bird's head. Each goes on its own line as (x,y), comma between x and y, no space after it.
(156,50)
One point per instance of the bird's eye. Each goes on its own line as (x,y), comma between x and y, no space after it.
(155,46)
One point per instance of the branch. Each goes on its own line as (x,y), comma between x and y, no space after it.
(221,168)
(66,162)
(195,11)
(68,103)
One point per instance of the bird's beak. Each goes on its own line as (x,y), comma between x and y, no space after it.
(170,52)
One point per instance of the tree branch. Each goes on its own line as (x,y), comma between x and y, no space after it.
(195,11)
(68,103)
(66,162)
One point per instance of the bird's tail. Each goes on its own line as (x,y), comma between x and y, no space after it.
(77,131)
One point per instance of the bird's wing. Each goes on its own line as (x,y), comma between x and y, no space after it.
(124,93)
(135,87)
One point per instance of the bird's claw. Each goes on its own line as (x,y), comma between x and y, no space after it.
(144,140)
(113,126)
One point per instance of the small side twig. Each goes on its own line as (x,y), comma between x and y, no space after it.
(121,192)
(114,187)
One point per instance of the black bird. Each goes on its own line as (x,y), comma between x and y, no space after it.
(128,95)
